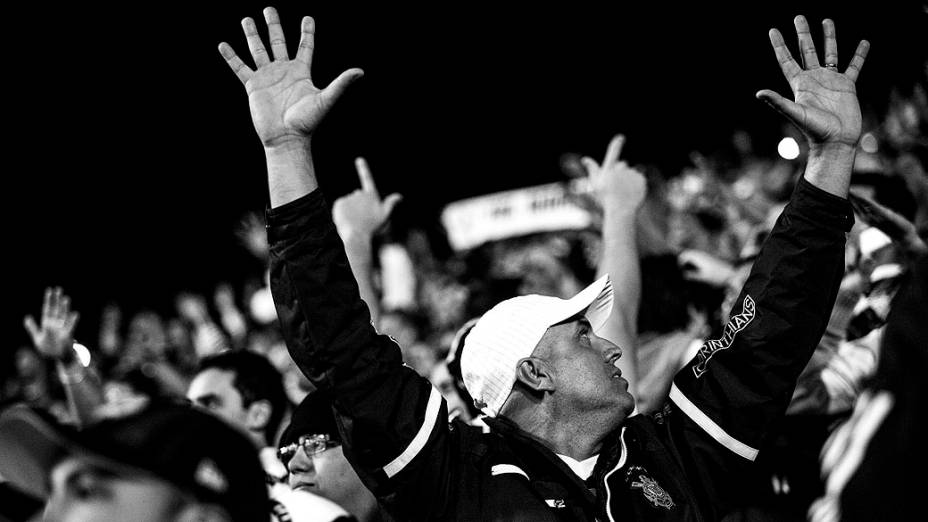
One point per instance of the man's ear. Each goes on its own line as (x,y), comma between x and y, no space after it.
(259,414)
(536,374)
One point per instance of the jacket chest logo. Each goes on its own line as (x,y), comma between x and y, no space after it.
(651,490)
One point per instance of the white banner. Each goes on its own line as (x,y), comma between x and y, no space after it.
(543,208)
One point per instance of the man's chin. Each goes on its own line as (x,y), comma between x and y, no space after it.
(625,400)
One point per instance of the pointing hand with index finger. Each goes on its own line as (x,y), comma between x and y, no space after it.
(362,212)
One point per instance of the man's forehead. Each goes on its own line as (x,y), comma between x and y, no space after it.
(565,329)
(74,464)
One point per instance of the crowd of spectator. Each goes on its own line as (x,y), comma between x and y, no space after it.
(697,234)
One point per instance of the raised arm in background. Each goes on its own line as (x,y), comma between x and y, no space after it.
(620,191)
(357,217)
(53,337)
(897,227)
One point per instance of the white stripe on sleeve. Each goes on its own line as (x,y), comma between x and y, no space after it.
(709,426)
(418,442)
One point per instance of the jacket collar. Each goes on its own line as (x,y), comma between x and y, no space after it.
(538,458)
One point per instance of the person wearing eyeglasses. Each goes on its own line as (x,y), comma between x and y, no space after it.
(311,449)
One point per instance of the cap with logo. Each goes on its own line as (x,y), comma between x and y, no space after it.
(190,449)
(511,330)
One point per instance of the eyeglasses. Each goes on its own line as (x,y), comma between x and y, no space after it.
(311,444)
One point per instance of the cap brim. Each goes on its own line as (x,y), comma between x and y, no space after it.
(30,445)
(595,300)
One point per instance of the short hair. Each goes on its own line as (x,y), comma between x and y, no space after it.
(256,379)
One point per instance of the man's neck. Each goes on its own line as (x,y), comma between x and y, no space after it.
(577,437)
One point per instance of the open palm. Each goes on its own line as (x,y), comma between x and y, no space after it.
(825,106)
(827,101)
(53,336)
(284,102)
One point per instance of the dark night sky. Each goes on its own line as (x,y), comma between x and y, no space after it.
(131,154)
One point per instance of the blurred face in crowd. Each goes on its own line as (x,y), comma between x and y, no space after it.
(443,381)
(328,473)
(180,342)
(146,335)
(584,372)
(214,389)
(83,490)
(28,364)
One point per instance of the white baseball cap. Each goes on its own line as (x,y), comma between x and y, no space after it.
(510,331)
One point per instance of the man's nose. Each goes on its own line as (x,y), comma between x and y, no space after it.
(607,347)
(301,463)
(52,511)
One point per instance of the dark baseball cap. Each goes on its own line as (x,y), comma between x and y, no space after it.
(313,416)
(190,449)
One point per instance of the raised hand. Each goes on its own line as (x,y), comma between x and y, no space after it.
(231,318)
(285,104)
(362,212)
(889,222)
(706,268)
(615,183)
(54,336)
(251,233)
(825,106)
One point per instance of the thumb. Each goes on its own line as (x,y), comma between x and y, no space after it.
(334,90)
(792,111)
(30,325)
(72,320)
(390,201)
(589,164)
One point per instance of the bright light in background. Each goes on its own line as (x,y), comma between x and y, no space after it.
(868,143)
(788,148)
(83,354)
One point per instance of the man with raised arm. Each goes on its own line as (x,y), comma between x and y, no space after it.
(561,443)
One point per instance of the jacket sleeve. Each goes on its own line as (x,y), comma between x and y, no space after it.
(392,421)
(741,383)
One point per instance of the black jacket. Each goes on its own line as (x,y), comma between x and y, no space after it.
(685,463)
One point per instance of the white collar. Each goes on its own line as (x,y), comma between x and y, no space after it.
(582,468)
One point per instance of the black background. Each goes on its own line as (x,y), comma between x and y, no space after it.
(130,154)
